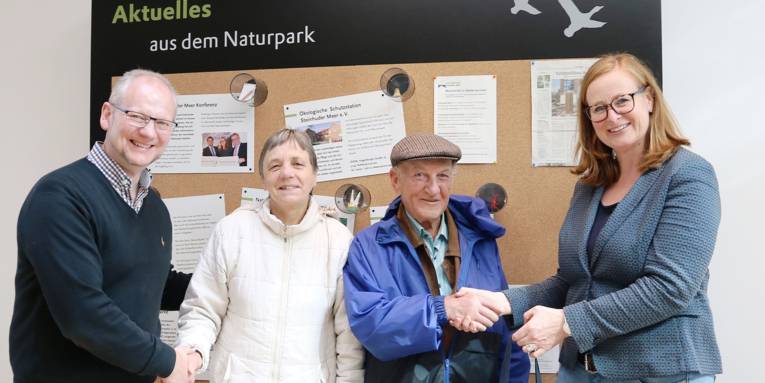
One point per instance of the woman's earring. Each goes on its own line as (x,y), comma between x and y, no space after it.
(613,154)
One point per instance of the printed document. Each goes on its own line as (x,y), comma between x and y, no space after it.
(352,135)
(215,134)
(465,113)
(555,86)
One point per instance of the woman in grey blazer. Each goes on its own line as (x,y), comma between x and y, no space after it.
(629,301)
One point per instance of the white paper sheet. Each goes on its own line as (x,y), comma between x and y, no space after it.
(376,214)
(208,115)
(352,135)
(193,221)
(548,362)
(465,112)
(555,86)
(253,195)
(248,92)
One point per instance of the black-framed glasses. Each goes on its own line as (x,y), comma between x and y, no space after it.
(140,120)
(620,105)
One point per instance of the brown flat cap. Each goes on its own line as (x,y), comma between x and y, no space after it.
(424,146)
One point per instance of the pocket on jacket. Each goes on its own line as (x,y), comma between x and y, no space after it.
(237,371)
(302,373)
(695,309)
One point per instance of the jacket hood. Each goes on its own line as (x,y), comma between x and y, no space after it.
(470,214)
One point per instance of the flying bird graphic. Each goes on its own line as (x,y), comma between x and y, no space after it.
(578,19)
(523,5)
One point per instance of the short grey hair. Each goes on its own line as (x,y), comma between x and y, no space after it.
(119,89)
(301,139)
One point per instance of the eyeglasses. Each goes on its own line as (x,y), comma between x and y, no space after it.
(140,120)
(620,105)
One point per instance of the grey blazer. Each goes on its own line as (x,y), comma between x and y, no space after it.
(640,304)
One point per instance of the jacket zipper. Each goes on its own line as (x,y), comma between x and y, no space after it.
(446,370)
(284,293)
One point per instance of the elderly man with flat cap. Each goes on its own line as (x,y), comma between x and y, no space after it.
(402,274)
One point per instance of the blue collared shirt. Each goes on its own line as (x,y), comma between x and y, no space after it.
(436,249)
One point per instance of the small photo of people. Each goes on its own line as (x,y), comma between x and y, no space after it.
(543,81)
(225,144)
(323,133)
(565,95)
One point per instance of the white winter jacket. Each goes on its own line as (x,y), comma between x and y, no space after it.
(268,298)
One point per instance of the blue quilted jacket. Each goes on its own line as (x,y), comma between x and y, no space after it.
(393,314)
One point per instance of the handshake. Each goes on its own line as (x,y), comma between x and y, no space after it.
(187,362)
(475,310)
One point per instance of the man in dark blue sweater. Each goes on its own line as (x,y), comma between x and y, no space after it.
(94,247)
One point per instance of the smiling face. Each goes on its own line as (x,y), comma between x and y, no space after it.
(624,133)
(289,177)
(424,186)
(134,148)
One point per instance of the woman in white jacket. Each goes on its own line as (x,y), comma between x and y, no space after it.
(267,294)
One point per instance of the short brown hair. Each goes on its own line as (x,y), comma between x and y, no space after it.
(301,139)
(596,165)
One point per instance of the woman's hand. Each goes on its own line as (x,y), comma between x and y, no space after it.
(542,330)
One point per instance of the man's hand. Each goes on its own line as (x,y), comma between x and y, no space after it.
(542,330)
(470,308)
(495,301)
(181,372)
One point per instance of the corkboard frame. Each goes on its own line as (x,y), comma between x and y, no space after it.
(537,197)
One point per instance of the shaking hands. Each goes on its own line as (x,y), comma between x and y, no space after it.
(187,362)
(474,310)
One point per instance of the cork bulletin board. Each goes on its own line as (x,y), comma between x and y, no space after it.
(351,44)
(537,197)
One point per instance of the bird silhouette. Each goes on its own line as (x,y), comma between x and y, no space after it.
(579,19)
(523,5)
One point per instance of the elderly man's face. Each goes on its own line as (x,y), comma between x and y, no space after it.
(424,186)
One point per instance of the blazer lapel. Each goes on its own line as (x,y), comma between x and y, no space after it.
(623,210)
(592,210)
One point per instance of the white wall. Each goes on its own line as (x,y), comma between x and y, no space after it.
(44,100)
(713,76)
